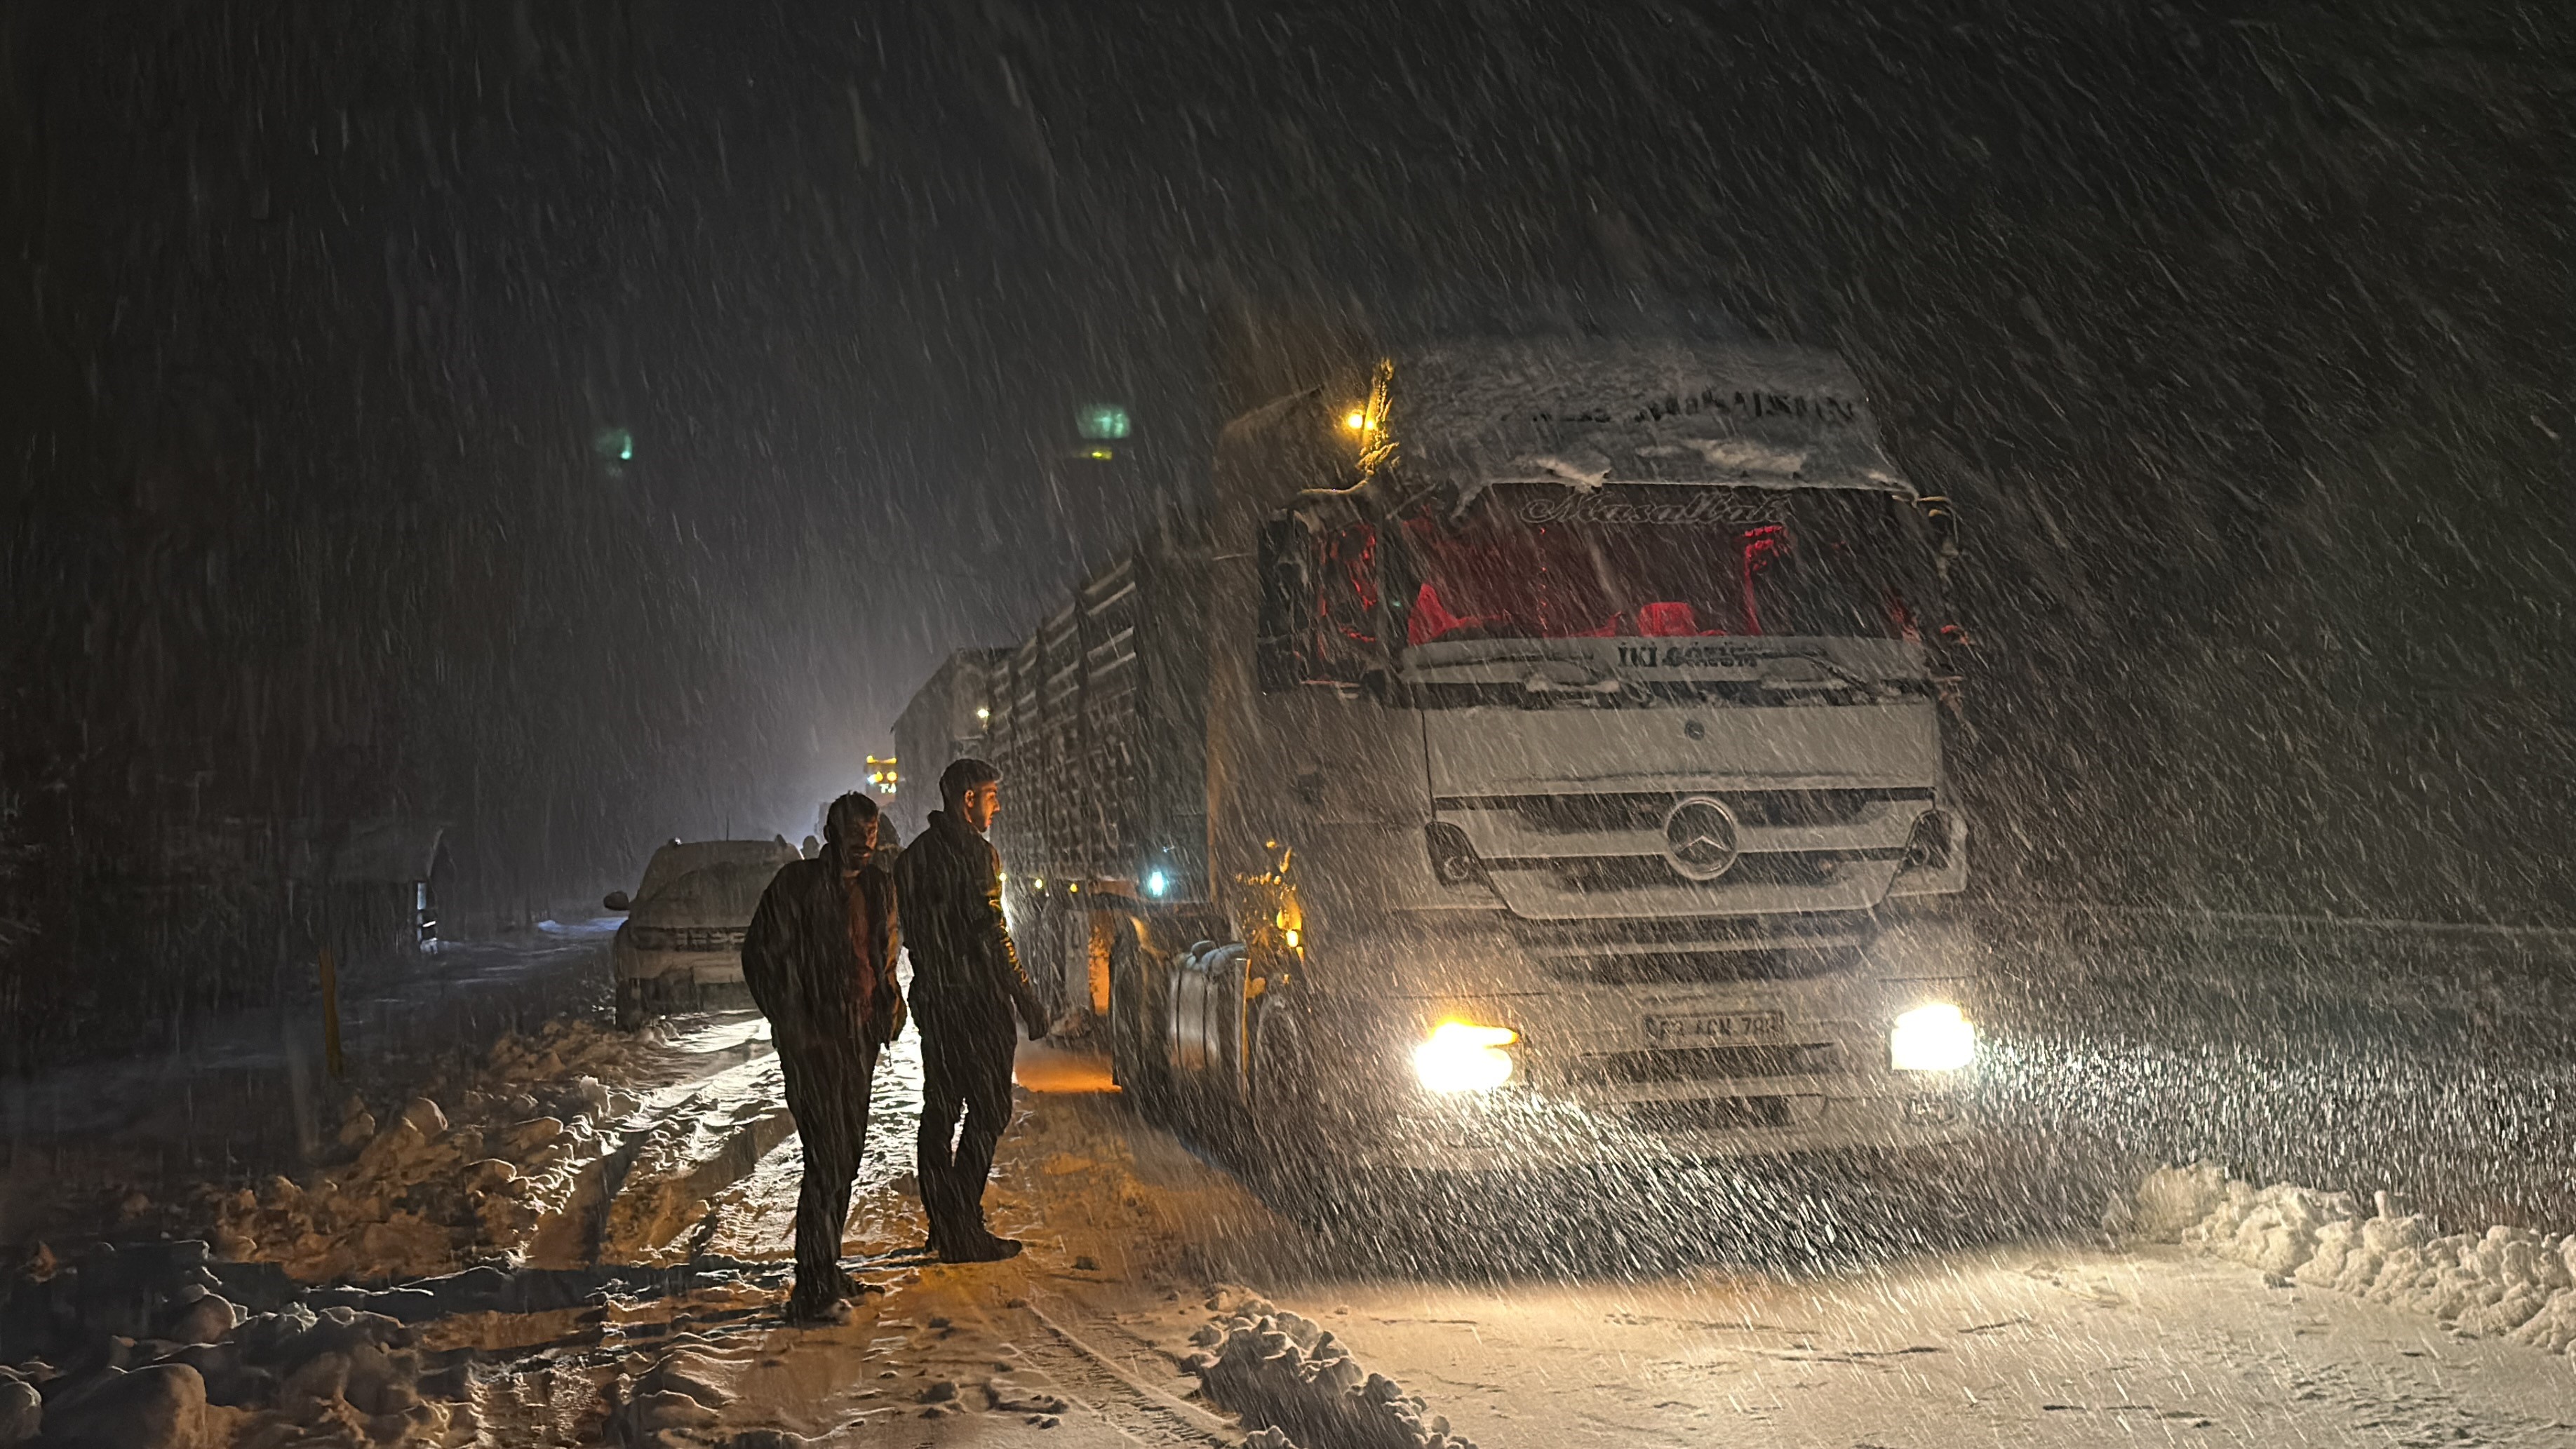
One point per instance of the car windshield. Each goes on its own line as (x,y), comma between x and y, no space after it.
(1657,562)
(673,863)
(727,892)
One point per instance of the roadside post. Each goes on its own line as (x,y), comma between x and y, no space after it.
(330,1016)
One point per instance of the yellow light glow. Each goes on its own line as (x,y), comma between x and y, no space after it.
(1292,940)
(1356,421)
(1935,1038)
(1461,1056)
(983,712)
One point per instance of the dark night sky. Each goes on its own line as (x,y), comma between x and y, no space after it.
(2239,329)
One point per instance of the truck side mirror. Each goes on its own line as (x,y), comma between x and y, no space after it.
(1282,650)
(1944,526)
(616,900)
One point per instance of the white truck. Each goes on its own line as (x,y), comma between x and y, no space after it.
(1529,754)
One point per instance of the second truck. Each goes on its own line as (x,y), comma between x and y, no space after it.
(1526,753)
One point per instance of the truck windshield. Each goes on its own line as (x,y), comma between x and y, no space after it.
(1656,562)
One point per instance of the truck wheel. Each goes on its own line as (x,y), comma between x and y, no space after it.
(1040,951)
(1287,1134)
(1136,1050)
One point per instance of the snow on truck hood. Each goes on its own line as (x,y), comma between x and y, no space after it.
(1589,412)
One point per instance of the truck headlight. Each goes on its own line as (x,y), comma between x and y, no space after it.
(1935,1038)
(1463,1057)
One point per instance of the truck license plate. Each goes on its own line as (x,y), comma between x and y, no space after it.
(1684,1031)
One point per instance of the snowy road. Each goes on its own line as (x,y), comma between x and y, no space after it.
(2025,1343)
(2040,1345)
(671,1155)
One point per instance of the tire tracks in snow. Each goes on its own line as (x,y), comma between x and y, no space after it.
(688,1142)
(1066,1347)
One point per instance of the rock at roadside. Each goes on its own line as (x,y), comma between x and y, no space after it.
(357,1124)
(206,1320)
(161,1407)
(425,1117)
(22,1411)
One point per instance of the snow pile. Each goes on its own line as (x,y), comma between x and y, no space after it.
(338,1377)
(1286,1373)
(134,1348)
(422,1192)
(2509,1283)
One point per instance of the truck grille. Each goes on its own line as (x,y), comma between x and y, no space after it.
(1591,814)
(1634,872)
(1704,1064)
(1604,856)
(1651,968)
(1653,952)
(1723,1114)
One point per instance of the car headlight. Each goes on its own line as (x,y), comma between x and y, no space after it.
(1463,1057)
(1935,1038)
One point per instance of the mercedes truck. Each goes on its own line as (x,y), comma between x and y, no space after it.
(1526,752)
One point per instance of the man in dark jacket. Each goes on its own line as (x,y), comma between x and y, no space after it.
(819,959)
(966,986)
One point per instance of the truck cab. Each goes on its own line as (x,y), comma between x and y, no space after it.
(1532,753)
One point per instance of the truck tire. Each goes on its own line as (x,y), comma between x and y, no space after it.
(1138,1059)
(1041,948)
(1287,1148)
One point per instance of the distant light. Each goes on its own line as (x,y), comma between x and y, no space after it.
(1100,455)
(1039,883)
(1157,883)
(614,443)
(1356,421)
(983,712)
(1103,421)
(1075,887)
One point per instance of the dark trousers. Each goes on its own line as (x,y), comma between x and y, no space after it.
(966,1050)
(827,1094)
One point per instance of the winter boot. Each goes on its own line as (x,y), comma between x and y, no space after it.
(813,1306)
(939,1205)
(983,1247)
(964,1238)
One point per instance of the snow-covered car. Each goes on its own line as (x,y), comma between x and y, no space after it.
(681,946)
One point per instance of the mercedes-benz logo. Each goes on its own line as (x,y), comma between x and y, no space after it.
(1699,837)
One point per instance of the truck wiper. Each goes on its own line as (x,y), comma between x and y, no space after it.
(1865,683)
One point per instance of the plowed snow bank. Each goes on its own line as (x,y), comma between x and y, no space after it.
(2507,1283)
